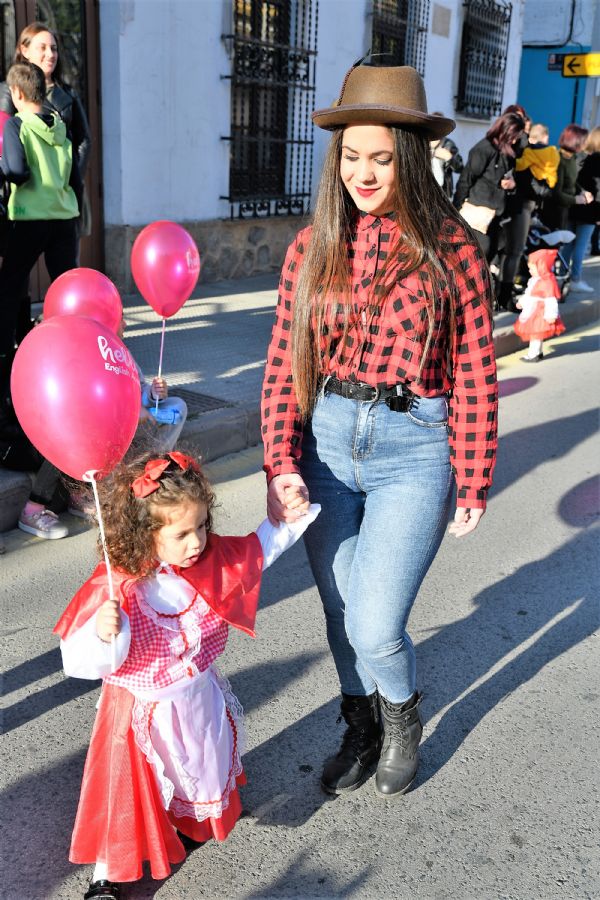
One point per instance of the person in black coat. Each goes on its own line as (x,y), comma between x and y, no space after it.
(585,216)
(486,178)
(445,162)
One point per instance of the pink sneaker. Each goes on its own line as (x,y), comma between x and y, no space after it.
(44,524)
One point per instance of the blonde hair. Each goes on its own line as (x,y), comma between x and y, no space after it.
(538,132)
(592,144)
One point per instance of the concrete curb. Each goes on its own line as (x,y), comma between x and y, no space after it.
(233,428)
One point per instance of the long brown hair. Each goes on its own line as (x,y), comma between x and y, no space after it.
(25,38)
(323,290)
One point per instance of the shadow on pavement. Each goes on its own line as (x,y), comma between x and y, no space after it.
(41,701)
(522,451)
(581,505)
(38,812)
(549,601)
(587,343)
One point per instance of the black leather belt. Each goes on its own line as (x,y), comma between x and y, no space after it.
(399,398)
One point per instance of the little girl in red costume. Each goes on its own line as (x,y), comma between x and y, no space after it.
(539,317)
(163,767)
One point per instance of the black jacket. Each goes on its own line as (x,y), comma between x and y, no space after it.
(558,208)
(589,180)
(61,99)
(480,179)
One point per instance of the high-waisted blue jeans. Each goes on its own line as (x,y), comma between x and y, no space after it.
(384,482)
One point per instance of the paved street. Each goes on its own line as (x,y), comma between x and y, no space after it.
(506,802)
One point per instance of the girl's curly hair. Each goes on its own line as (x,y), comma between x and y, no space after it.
(130,522)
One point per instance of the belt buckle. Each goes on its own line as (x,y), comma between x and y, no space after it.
(377,395)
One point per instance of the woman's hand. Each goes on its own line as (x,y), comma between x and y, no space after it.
(465,521)
(108,620)
(278,499)
(509,183)
(583,198)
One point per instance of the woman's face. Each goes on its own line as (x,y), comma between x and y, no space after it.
(42,51)
(367,167)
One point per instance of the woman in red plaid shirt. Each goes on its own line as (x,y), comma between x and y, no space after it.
(380,385)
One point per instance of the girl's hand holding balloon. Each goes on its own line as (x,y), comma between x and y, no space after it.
(108,620)
(159,389)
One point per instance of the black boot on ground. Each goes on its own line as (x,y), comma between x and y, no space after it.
(399,759)
(347,770)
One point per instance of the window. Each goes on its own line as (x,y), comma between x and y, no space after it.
(400,30)
(273,51)
(486,29)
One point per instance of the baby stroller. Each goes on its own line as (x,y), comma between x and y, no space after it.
(540,237)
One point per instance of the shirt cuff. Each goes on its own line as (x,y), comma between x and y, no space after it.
(285,467)
(471,498)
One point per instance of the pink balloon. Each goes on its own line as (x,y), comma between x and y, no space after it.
(4,117)
(76,392)
(84,292)
(165,265)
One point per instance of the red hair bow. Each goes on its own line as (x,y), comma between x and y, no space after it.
(148,482)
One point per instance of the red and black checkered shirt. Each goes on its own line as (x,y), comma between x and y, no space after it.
(384,346)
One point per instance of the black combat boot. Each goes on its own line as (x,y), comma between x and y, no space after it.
(347,770)
(399,759)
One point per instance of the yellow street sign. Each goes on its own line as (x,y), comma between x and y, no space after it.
(581,65)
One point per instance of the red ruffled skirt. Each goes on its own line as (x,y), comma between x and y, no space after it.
(121,819)
(536,327)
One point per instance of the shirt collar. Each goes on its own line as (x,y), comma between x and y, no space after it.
(366,221)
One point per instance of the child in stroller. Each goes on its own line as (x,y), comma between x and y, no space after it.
(540,237)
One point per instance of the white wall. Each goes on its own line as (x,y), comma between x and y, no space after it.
(165,105)
(548,21)
(164,109)
(344,36)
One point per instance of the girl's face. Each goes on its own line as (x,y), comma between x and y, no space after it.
(182,538)
(532,267)
(367,167)
(42,51)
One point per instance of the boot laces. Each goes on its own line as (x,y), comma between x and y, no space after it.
(354,739)
(397,732)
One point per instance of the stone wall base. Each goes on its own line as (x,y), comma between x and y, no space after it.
(228,248)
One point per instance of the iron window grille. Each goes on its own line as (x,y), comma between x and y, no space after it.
(486,30)
(273,51)
(400,31)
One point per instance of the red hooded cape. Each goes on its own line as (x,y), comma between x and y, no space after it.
(547,286)
(227,576)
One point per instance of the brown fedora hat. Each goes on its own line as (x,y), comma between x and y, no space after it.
(384,95)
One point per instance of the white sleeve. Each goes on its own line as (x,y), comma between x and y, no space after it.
(550,309)
(528,305)
(275,540)
(84,655)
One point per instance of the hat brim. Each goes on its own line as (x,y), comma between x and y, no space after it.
(336,116)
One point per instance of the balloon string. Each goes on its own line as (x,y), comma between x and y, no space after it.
(113,646)
(160,358)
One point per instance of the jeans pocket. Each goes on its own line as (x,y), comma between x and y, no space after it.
(429,412)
